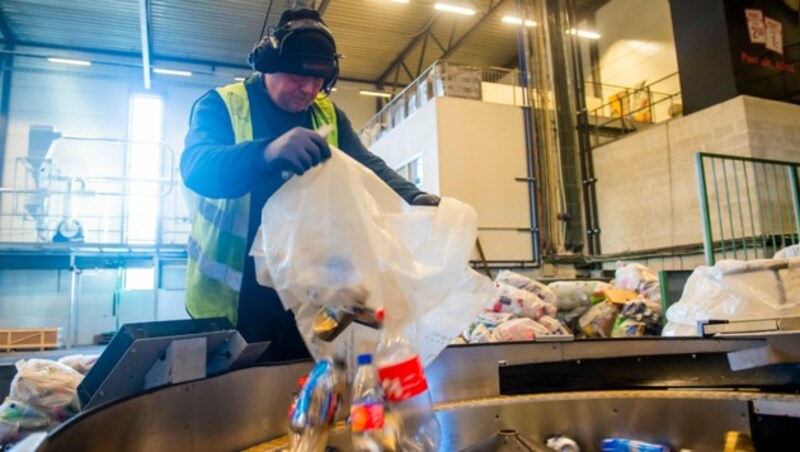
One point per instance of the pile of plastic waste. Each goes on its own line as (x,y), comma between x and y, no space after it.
(524,309)
(43,394)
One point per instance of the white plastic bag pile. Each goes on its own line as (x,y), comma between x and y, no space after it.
(524,309)
(737,290)
(339,233)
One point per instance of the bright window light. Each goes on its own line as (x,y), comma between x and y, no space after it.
(517,21)
(146,127)
(161,71)
(586,34)
(70,62)
(454,9)
(139,278)
(374,94)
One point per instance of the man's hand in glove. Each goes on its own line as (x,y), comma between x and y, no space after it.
(425,199)
(297,151)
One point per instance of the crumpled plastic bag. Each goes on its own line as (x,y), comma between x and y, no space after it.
(338,234)
(48,386)
(527,284)
(598,321)
(509,299)
(788,252)
(637,277)
(18,419)
(574,294)
(516,330)
(81,363)
(736,290)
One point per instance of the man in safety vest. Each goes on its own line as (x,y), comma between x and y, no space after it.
(244,140)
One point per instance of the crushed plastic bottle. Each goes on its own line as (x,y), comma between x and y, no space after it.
(294,436)
(317,405)
(367,409)
(406,390)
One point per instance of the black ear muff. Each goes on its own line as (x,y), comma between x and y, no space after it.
(264,56)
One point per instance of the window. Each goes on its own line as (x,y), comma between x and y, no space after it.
(412,171)
(144,162)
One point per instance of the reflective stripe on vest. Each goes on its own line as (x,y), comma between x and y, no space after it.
(218,241)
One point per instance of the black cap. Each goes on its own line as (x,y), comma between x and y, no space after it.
(307,46)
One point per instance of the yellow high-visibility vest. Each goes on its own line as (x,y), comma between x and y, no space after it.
(218,241)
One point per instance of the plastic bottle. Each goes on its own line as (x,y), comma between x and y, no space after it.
(294,436)
(406,390)
(366,411)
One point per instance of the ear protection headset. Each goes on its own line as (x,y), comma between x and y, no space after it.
(267,53)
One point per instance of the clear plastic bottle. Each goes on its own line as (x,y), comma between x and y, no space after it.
(406,390)
(366,411)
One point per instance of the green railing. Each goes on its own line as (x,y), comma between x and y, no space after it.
(750,207)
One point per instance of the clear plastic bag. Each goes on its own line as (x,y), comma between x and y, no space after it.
(523,329)
(339,235)
(18,419)
(527,284)
(575,294)
(48,386)
(520,302)
(598,321)
(736,290)
(81,363)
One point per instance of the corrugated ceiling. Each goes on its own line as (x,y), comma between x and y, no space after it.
(370,33)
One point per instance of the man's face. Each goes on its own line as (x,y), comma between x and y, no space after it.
(293,93)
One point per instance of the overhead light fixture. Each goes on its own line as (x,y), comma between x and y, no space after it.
(586,34)
(364,92)
(172,72)
(399,1)
(517,21)
(70,61)
(239,79)
(333,90)
(454,9)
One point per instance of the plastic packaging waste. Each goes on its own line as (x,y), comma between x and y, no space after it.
(561,443)
(294,437)
(339,236)
(598,321)
(736,290)
(403,379)
(520,302)
(17,419)
(367,408)
(575,294)
(527,284)
(630,445)
(81,363)
(317,406)
(48,386)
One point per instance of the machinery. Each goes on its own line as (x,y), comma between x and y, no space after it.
(680,391)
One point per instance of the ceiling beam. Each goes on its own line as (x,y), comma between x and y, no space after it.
(473,29)
(407,50)
(144,28)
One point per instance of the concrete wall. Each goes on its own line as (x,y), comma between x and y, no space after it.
(647,187)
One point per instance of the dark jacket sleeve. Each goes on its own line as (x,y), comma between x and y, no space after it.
(212,165)
(352,145)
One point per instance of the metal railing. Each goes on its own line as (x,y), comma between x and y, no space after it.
(444,79)
(48,191)
(749,207)
(630,109)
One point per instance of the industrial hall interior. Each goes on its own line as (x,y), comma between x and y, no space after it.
(399,225)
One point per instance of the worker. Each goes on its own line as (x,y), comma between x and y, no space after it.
(244,140)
